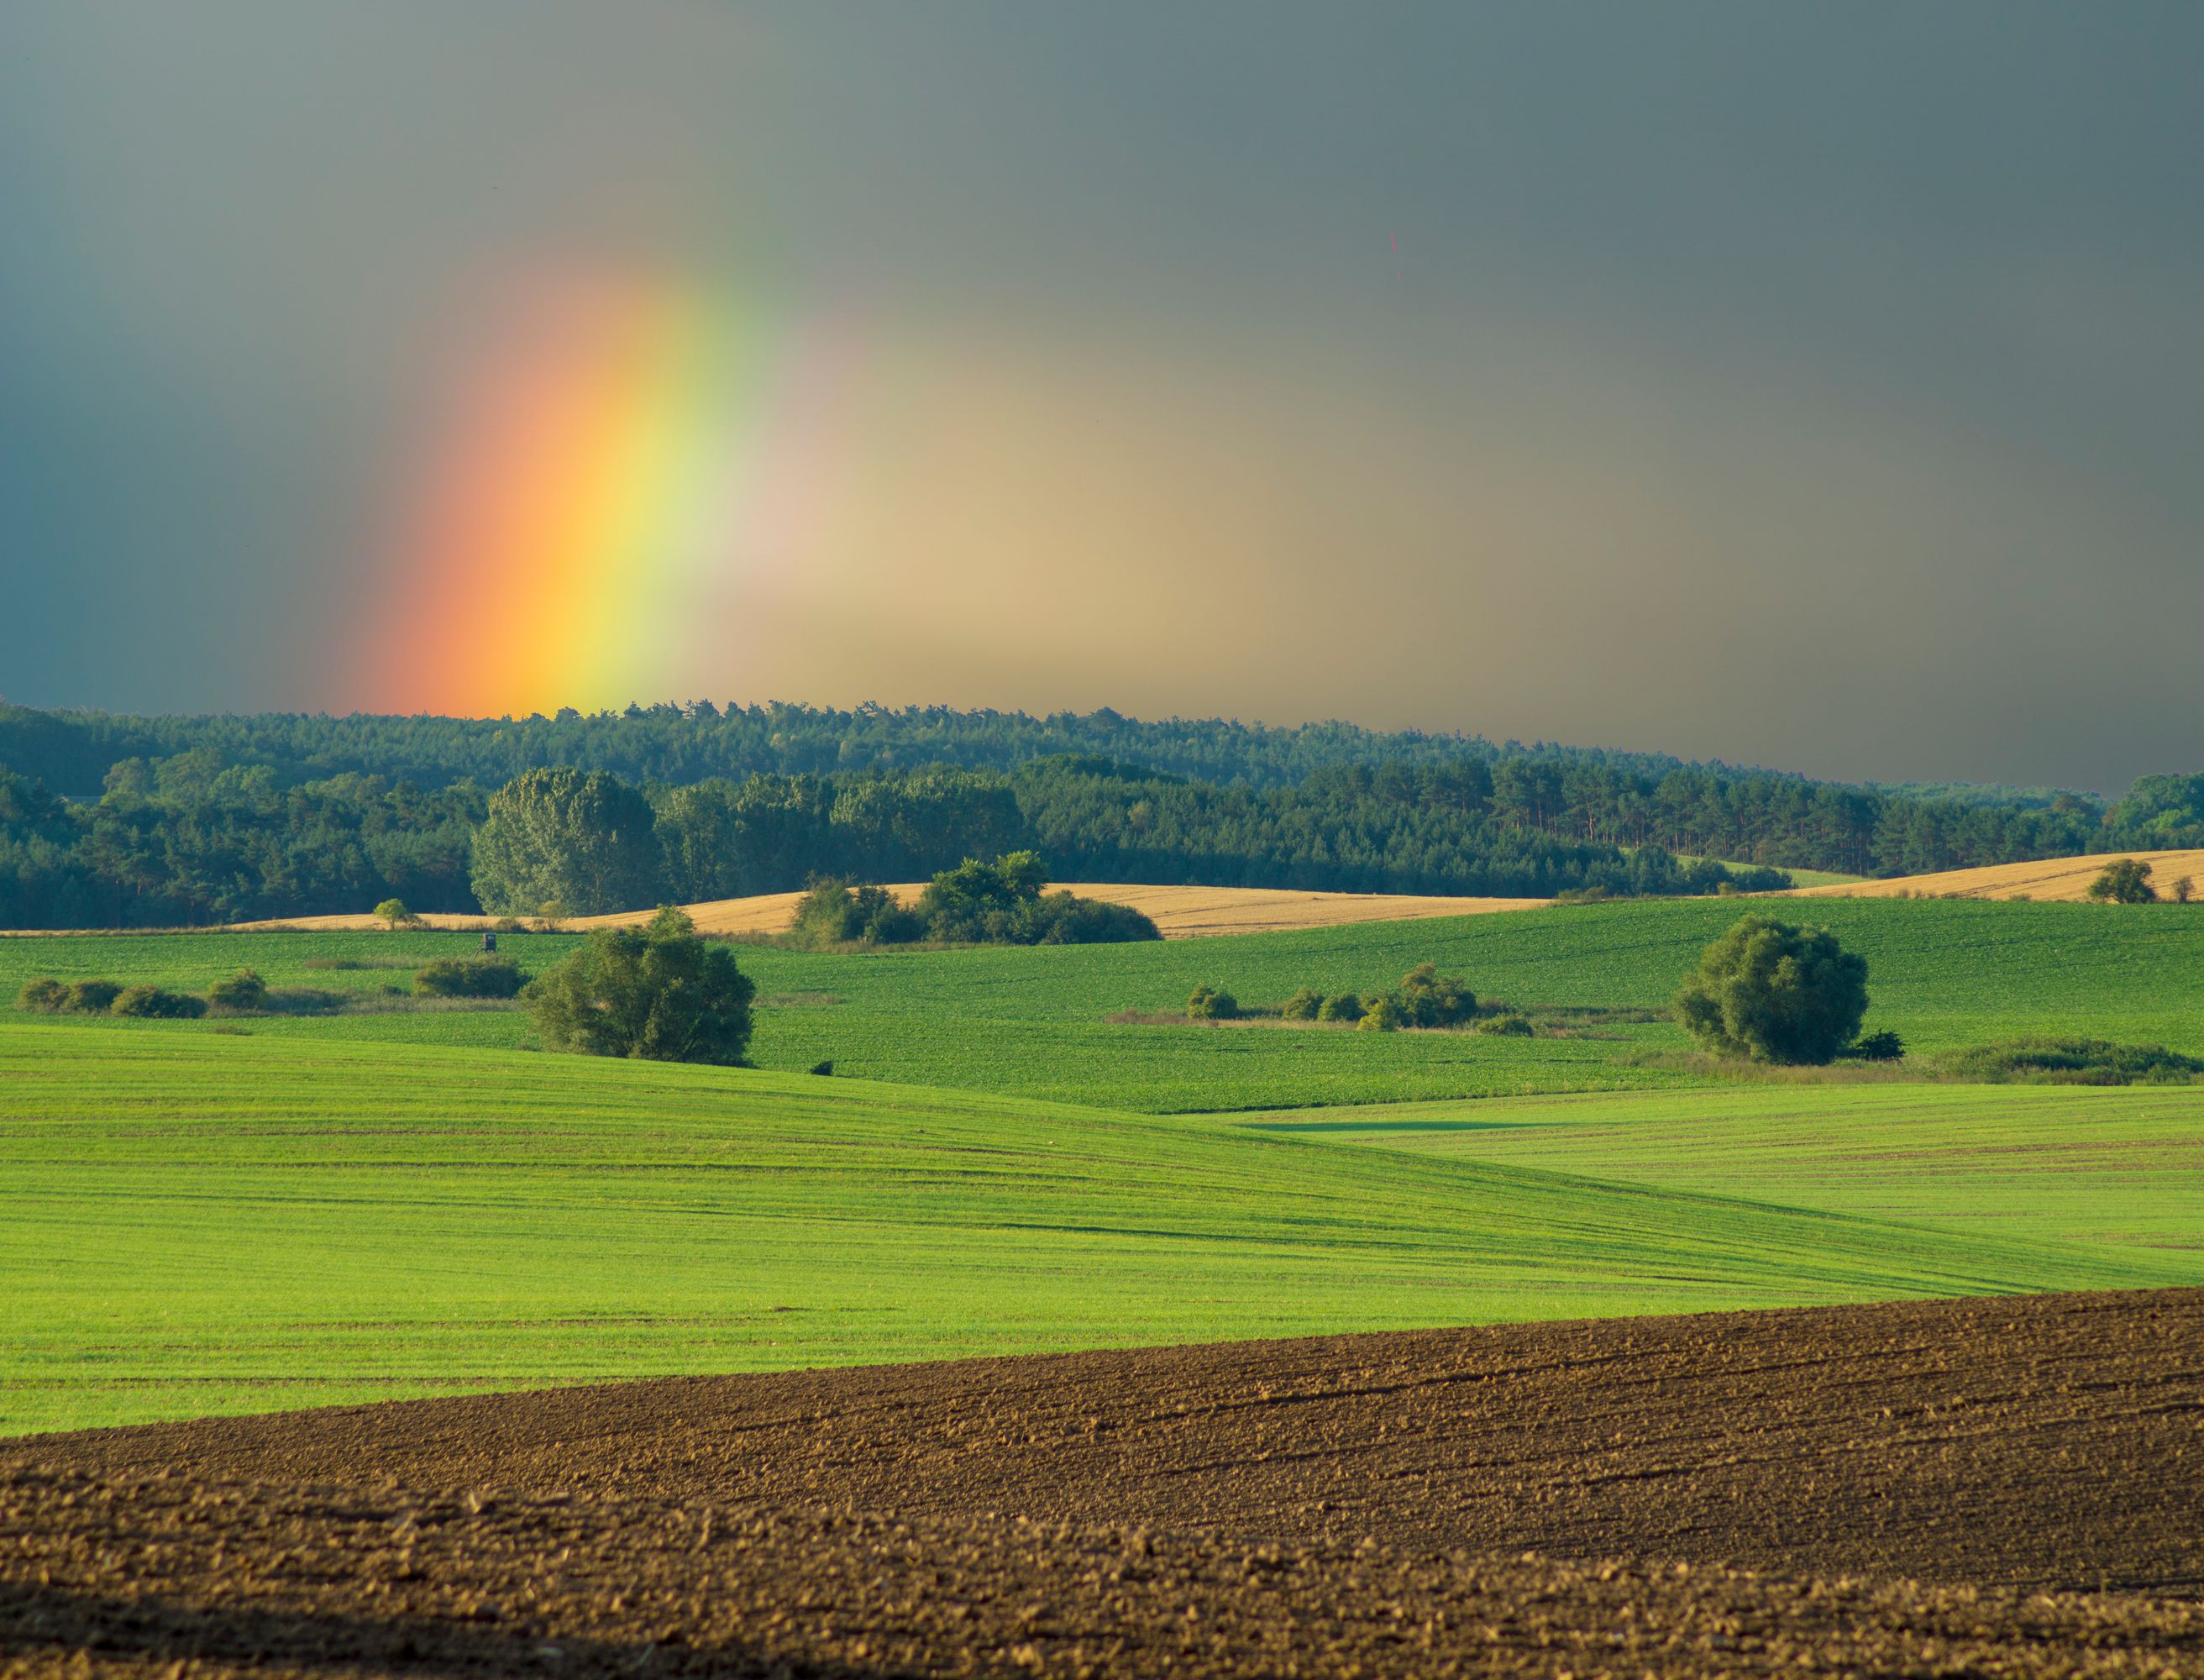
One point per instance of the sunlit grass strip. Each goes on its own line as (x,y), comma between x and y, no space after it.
(195,1223)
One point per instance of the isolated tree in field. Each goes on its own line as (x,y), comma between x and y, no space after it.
(2125,881)
(1775,993)
(581,839)
(393,913)
(658,992)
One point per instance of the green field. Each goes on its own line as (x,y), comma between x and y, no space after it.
(215,1216)
(202,1223)
(2120,1166)
(1032,1022)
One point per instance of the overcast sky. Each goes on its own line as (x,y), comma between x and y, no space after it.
(1814,387)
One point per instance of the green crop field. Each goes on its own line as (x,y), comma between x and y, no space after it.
(2121,1167)
(197,1222)
(215,1216)
(1032,1022)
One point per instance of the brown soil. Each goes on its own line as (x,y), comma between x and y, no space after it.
(1357,1503)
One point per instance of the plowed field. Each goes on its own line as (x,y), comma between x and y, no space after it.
(1380,1504)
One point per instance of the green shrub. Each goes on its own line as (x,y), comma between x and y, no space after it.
(152,1003)
(469,977)
(1059,919)
(43,997)
(1509,1025)
(1878,1047)
(1776,994)
(999,903)
(393,913)
(659,993)
(1002,903)
(1303,1006)
(2125,881)
(833,912)
(1346,1006)
(1426,998)
(94,997)
(1208,1004)
(824,916)
(240,992)
(2067,1062)
(1383,1015)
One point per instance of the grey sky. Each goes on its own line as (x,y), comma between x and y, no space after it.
(1814,387)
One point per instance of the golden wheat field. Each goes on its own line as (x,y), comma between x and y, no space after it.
(2054,879)
(1179,912)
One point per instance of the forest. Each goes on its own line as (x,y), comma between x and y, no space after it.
(272,816)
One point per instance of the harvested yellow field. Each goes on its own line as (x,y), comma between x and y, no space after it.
(1179,912)
(1193,912)
(2054,879)
(361,923)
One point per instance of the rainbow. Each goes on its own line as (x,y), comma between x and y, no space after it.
(622,468)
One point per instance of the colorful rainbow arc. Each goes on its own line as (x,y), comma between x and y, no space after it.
(613,474)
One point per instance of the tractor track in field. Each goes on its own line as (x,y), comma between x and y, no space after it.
(2007,1486)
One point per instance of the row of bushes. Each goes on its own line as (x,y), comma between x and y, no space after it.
(1424,998)
(469,977)
(245,993)
(1765,991)
(109,997)
(2068,1061)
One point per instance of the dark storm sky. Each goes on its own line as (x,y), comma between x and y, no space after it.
(1820,387)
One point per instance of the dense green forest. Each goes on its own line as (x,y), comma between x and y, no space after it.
(202,820)
(70,752)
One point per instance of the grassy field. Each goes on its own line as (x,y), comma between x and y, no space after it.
(193,1222)
(2112,1167)
(1034,1022)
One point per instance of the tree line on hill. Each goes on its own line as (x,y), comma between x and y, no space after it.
(585,841)
(187,841)
(204,835)
(71,751)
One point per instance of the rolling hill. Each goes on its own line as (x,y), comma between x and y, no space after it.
(2052,879)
